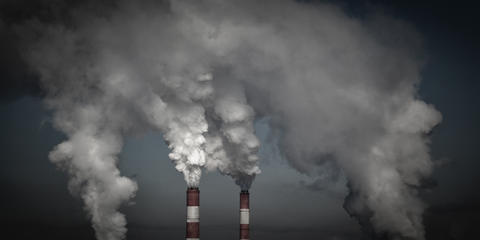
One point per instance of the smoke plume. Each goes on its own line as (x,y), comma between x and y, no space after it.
(339,91)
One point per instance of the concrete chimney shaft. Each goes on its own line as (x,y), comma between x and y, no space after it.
(193,214)
(244,215)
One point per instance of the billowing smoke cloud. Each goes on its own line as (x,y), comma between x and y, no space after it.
(238,141)
(340,92)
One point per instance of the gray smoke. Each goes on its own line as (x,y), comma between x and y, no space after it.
(340,92)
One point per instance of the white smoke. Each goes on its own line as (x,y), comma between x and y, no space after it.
(340,91)
(239,140)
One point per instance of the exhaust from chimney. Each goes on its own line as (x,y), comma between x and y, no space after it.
(244,215)
(193,214)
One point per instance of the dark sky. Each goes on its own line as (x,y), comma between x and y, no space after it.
(35,201)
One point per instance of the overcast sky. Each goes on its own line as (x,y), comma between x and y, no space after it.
(36,203)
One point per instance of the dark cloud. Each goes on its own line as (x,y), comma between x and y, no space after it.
(16,79)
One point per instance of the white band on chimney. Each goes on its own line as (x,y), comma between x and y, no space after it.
(244,216)
(193,214)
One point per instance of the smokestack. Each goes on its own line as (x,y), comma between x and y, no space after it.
(244,215)
(193,214)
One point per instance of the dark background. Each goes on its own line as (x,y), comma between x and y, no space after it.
(35,202)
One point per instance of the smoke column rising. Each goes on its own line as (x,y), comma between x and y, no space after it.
(339,91)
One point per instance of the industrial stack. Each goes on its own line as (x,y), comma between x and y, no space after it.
(193,214)
(244,215)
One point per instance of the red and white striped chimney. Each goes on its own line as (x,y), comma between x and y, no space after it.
(244,215)
(193,214)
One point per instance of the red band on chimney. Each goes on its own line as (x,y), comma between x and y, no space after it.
(193,230)
(244,231)
(244,201)
(193,197)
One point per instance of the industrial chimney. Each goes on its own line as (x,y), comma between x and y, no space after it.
(193,214)
(244,215)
